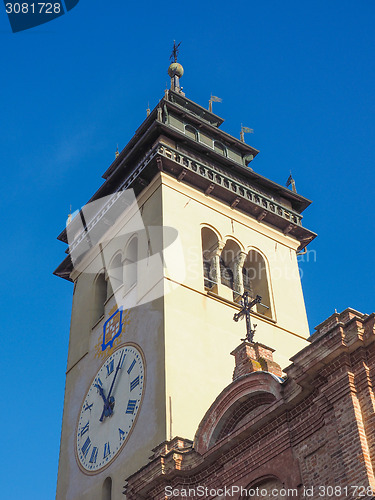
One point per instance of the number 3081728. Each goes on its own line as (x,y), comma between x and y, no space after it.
(33,8)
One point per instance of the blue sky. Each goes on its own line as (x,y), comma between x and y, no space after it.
(300,74)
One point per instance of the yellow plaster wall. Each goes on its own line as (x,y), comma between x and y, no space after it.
(146,329)
(199,329)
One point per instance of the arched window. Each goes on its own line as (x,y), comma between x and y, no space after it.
(191,132)
(107,489)
(130,264)
(220,148)
(229,271)
(210,246)
(100,296)
(255,281)
(115,274)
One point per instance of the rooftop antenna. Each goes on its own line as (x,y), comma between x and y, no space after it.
(213,98)
(245,130)
(291,181)
(148,109)
(117,152)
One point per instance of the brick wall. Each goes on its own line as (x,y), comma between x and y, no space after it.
(315,427)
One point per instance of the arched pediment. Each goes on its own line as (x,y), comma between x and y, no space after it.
(239,403)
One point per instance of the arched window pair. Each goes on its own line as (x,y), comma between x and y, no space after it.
(227,265)
(192,133)
(121,272)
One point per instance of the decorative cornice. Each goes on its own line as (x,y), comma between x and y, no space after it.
(212,179)
(238,193)
(222,177)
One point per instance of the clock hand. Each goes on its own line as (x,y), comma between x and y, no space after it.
(101,392)
(107,406)
(115,375)
(110,399)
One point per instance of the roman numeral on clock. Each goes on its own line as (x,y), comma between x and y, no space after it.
(131,406)
(84,429)
(107,450)
(134,383)
(86,446)
(110,367)
(122,433)
(94,455)
(87,406)
(131,366)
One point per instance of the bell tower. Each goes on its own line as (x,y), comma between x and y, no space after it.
(160,257)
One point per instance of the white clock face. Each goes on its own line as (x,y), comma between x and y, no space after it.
(110,408)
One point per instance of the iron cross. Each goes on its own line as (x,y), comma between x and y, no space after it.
(245,311)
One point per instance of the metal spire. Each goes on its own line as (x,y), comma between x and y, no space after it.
(175,51)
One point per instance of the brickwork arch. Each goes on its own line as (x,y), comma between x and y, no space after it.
(231,406)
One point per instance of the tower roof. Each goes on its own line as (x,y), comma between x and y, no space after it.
(187,140)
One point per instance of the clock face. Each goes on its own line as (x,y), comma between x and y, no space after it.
(110,408)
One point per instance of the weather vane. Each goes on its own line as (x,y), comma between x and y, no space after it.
(175,51)
(245,311)
(213,98)
(245,130)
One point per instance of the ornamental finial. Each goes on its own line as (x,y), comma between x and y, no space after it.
(175,70)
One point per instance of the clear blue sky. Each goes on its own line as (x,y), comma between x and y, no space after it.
(301,74)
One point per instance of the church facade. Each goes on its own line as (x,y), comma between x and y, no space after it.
(309,435)
(163,256)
